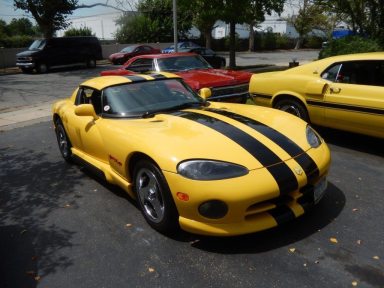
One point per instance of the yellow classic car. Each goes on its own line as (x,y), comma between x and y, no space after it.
(343,92)
(209,168)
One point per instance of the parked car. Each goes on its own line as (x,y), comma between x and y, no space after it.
(131,51)
(181,47)
(44,54)
(226,85)
(210,168)
(210,56)
(343,92)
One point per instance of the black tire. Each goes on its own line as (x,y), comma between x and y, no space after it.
(63,141)
(91,62)
(26,70)
(154,197)
(222,63)
(42,68)
(293,107)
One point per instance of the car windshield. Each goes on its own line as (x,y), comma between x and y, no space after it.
(38,44)
(144,99)
(182,63)
(128,49)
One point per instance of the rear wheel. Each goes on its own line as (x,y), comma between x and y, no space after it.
(63,141)
(294,107)
(154,197)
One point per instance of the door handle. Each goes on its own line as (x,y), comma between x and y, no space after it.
(335,90)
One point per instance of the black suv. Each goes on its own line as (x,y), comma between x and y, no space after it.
(44,54)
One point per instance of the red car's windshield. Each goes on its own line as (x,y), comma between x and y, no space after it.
(182,63)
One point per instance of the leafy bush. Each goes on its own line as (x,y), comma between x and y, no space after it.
(349,45)
(313,42)
(15,41)
(83,31)
(284,42)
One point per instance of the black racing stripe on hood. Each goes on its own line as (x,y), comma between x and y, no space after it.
(305,161)
(283,175)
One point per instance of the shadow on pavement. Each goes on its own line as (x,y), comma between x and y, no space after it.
(32,189)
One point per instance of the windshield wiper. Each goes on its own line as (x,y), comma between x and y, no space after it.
(149,114)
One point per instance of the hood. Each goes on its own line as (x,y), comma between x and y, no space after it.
(118,55)
(27,53)
(215,133)
(198,79)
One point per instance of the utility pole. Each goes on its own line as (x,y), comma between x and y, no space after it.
(175,25)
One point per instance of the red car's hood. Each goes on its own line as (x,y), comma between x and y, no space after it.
(198,79)
(117,55)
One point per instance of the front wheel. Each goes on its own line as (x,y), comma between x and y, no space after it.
(42,68)
(293,107)
(154,197)
(63,141)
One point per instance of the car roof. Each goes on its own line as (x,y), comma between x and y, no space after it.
(166,55)
(103,82)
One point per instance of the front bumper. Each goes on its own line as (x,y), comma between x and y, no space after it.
(28,65)
(254,200)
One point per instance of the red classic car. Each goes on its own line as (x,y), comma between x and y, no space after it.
(226,85)
(131,51)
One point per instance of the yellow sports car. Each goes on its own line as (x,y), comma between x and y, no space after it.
(209,168)
(343,92)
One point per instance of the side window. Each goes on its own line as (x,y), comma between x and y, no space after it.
(331,73)
(141,65)
(370,73)
(87,95)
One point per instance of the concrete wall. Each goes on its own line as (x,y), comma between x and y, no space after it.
(8,55)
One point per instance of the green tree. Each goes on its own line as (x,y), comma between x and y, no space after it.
(152,23)
(255,14)
(310,16)
(230,14)
(364,17)
(204,15)
(82,31)
(50,15)
(22,26)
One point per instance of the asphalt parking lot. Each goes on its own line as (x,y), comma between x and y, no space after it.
(61,226)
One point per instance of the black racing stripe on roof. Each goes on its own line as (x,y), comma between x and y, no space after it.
(136,78)
(157,76)
(305,161)
(282,174)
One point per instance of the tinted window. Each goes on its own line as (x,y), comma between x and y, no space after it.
(357,72)
(134,99)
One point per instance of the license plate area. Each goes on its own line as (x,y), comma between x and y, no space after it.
(319,190)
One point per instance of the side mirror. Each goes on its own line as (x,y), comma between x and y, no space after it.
(86,110)
(205,93)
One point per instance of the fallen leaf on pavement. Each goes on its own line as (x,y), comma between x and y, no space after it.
(333,240)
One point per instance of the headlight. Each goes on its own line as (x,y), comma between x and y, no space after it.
(210,170)
(312,137)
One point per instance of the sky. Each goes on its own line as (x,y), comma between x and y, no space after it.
(8,12)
